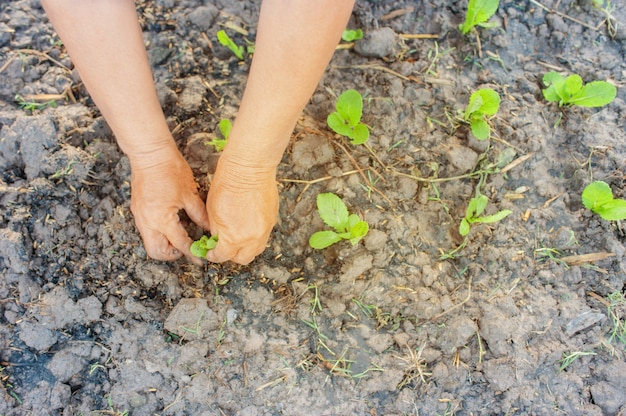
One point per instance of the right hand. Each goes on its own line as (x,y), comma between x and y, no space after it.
(162,184)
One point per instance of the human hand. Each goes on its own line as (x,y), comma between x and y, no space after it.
(242,206)
(161,185)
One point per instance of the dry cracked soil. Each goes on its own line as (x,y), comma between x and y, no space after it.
(525,316)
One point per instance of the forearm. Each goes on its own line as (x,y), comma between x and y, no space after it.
(105,43)
(295,41)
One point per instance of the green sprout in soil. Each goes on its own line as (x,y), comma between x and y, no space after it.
(598,197)
(347,119)
(568,359)
(572,91)
(617,313)
(33,105)
(478,12)
(202,246)
(225,40)
(482,103)
(351,35)
(475,208)
(335,214)
(225,127)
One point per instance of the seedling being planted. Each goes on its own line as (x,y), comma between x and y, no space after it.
(347,119)
(345,226)
(200,247)
(225,40)
(351,35)
(478,12)
(572,91)
(225,127)
(482,103)
(598,197)
(475,208)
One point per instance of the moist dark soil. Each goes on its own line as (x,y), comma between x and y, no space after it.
(525,316)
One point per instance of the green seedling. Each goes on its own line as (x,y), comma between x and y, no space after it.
(351,35)
(225,40)
(478,12)
(568,359)
(225,127)
(335,214)
(598,197)
(202,246)
(347,119)
(475,208)
(572,91)
(33,105)
(482,103)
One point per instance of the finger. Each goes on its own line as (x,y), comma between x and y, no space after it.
(158,246)
(221,253)
(246,256)
(179,238)
(196,209)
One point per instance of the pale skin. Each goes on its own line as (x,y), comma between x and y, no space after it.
(295,41)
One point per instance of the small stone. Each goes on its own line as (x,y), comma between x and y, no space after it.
(378,43)
(583,321)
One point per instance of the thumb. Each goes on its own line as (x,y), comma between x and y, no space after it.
(221,253)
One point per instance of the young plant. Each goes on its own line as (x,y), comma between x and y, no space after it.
(482,103)
(475,208)
(598,197)
(351,35)
(335,214)
(478,12)
(347,119)
(225,127)
(225,40)
(572,91)
(200,247)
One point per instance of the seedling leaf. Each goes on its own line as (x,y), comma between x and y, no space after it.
(464,227)
(350,35)
(480,128)
(338,124)
(350,106)
(333,211)
(478,11)
(201,247)
(358,231)
(225,40)
(614,210)
(596,194)
(495,217)
(595,94)
(475,102)
(490,101)
(225,127)
(359,134)
(323,239)
(598,197)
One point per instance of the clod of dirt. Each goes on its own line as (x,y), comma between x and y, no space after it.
(192,319)
(37,336)
(309,152)
(204,16)
(378,43)
(192,96)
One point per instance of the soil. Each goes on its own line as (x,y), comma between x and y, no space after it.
(410,321)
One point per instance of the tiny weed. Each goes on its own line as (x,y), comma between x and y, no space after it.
(351,35)
(568,359)
(347,119)
(335,214)
(475,208)
(225,127)
(572,91)
(200,247)
(33,105)
(617,311)
(598,197)
(415,372)
(482,103)
(225,40)
(478,12)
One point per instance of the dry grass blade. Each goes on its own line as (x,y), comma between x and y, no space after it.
(415,372)
(585,258)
